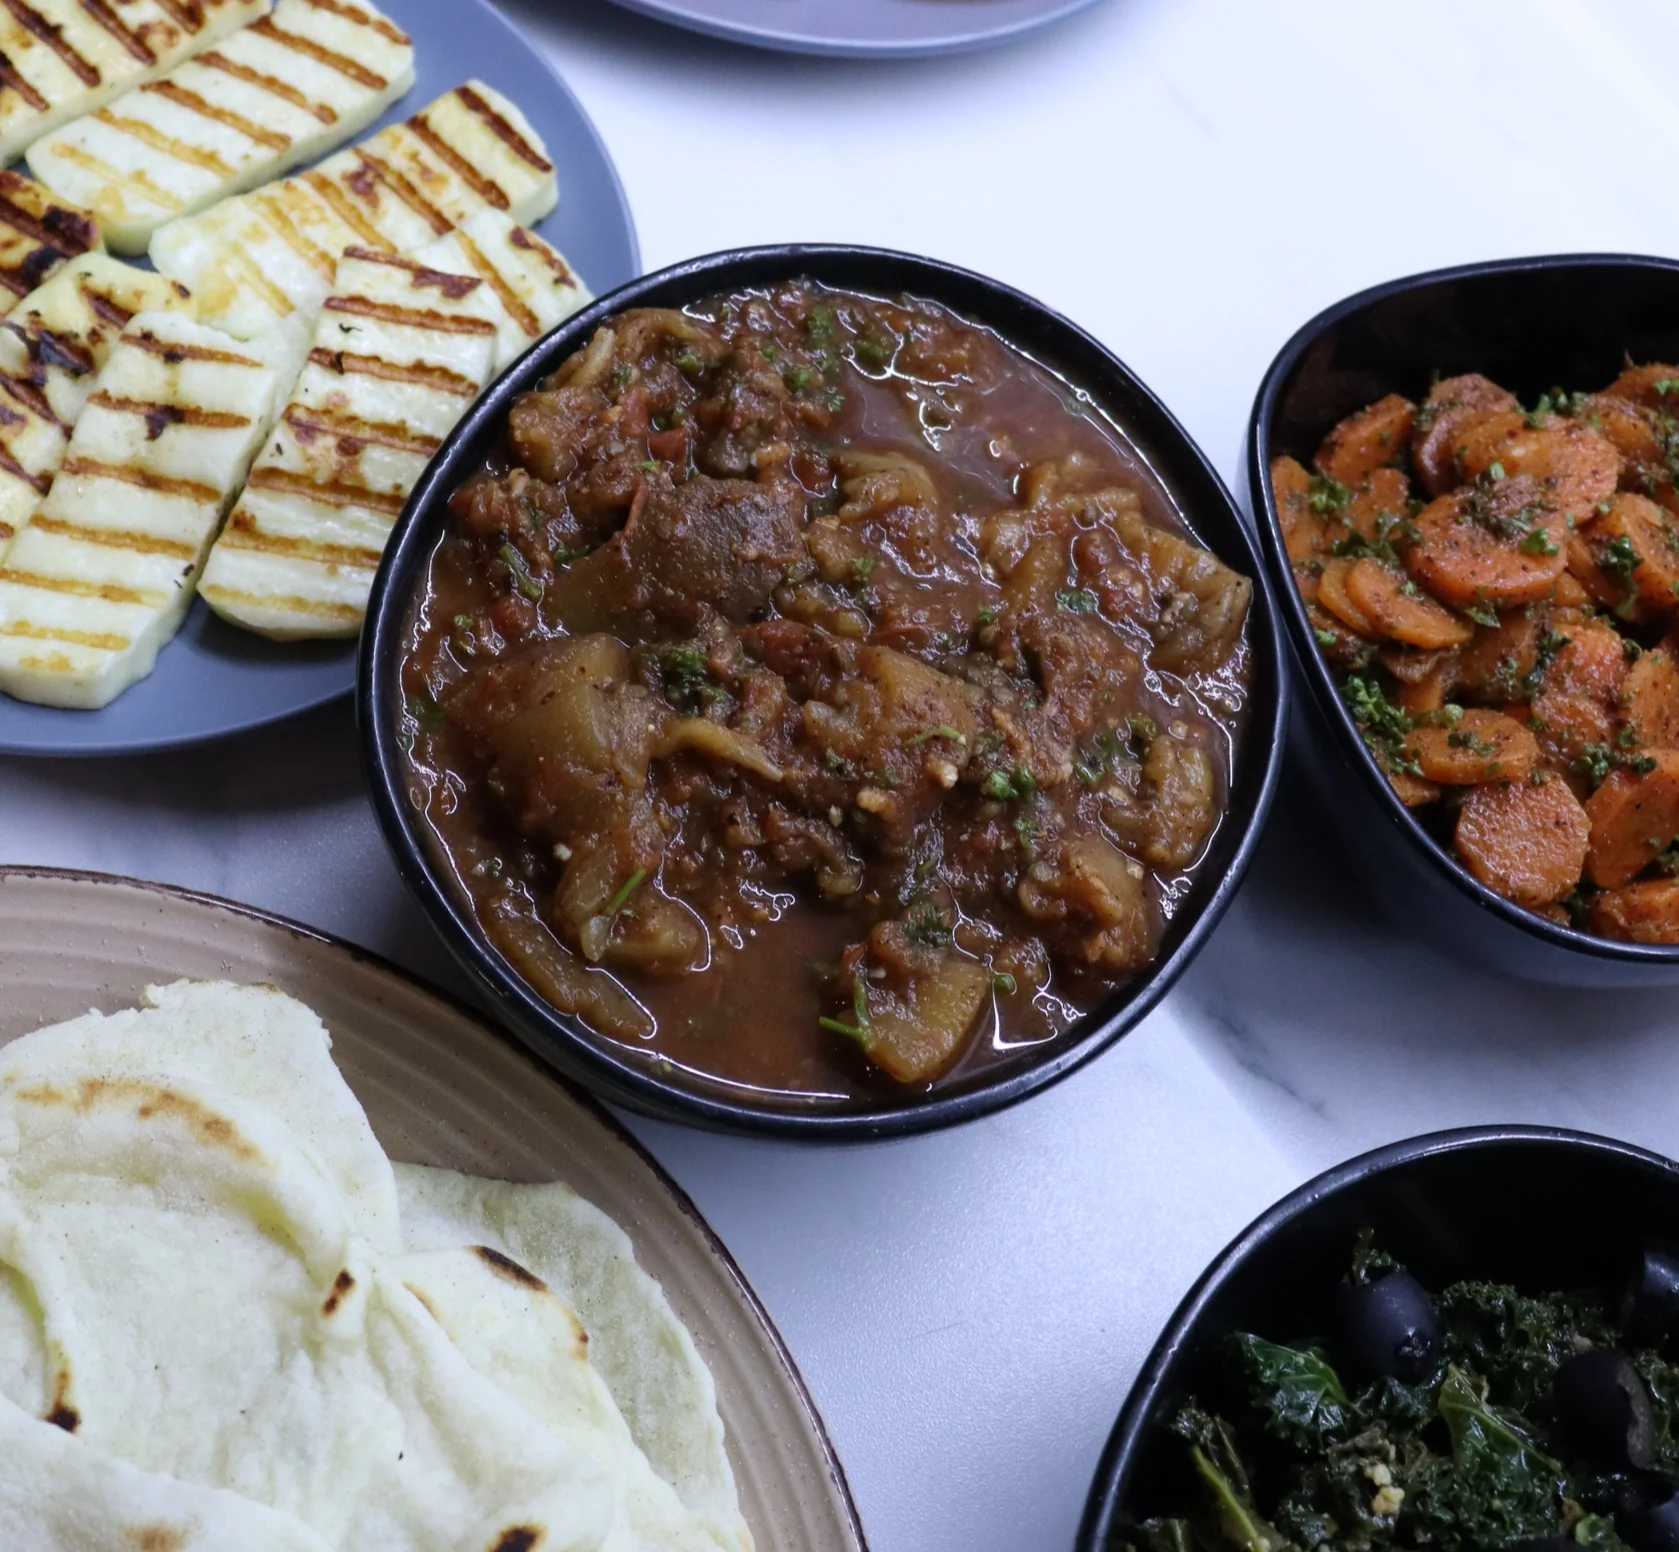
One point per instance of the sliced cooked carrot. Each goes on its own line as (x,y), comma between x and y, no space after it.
(1650,700)
(1525,840)
(1635,817)
(1413,792)
(1575,467)
(1637,542)
(1465,557)
(1583,569)
(1378,506)
(1432,691)
(1479,746)
(1340,646)
(1627,425)
(1495,665)
(1655,385)
(1363,442)
(1332,595)
(1567,725)
(1590,657)
(1397,607)
(1569,592)
(1639,913)
(1303,529)
(1306,578)
(1452,407)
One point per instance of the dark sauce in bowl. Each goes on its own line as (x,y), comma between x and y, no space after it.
(819,695)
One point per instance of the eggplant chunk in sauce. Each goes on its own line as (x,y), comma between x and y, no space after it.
(819,694)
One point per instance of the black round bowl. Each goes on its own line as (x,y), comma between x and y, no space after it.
(1528,324)
(1539,1208)
(621,1075)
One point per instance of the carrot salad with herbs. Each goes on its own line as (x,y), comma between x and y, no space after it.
(1497,589)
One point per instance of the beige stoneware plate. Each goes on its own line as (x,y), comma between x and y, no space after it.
(440,1088)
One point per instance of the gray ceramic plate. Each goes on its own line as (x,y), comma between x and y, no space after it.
(213,680)
(863,28)
(441,1089)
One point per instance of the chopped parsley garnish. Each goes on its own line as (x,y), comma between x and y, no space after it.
(530,586)
(769,353)
(1619,562)
(942,730)
(797,378)
(1483,614)
(1391,532)
(1326,638)
(621,374)
(859,1009)
(689,361)
(860,569)
(925,927)
(687,676)
(1011,783)
(1075,600)
(1384,725)
(1538,542)
(1666,385)
(1002,981)
(836,766)
(874,352)
(1465,738)
(986,616)
(1326,494)
(1630,649)
(1596,761)
(819,323)
(1667,860)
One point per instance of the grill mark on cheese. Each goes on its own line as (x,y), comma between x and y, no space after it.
(106,173)
(275,87)
(244,533)
(111,592)
(485,188)
(162,415)
(176,350)
(106,309)
(408,317)
(328,493)
(115,538)
(60,232)
(127,474)
(379,24)
(10,77)
(102,13)
(51,34)
(503,131)
(39,483)
(373,170)
(193,103)
(509,298)
(47,349)
(271,203)
(308,423)
(104,641)
(166,144)
(287,603)
(32,399)
(519,237)
(419,275)
(342,206)
(188,15)
(342,63)
(439,377)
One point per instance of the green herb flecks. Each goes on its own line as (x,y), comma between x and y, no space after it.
(1326,495)
(1009,784)
(528,585)
(621,898)
(1076,600)
(1384,726)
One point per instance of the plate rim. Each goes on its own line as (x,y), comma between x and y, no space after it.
(118,748)
(753,36)
(381,964)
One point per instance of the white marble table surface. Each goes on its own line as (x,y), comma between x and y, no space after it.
(1191,179)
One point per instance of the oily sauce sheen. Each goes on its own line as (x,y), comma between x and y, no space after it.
(818,696)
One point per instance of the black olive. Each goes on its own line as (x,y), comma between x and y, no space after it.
(1388,1328)
(1650,1305)
(1647,1518)
(1603,1411)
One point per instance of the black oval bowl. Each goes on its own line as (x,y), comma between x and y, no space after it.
(1529,324)
(610,1070)
(1539,1208)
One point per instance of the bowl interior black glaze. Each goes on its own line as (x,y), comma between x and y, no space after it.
(1541,1209)
(1531,325)
(628,1079)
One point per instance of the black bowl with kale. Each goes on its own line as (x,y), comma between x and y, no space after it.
(1538,1398)
(637,1073)
(1529,324)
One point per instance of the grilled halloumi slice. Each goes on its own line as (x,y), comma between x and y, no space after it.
(57,337)
(32,441)
(400,351)
(258,257)
(276,94)
(102,574)
(39,235)
(60,59)
(528,287)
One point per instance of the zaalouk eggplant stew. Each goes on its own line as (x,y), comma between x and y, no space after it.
(819,696)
